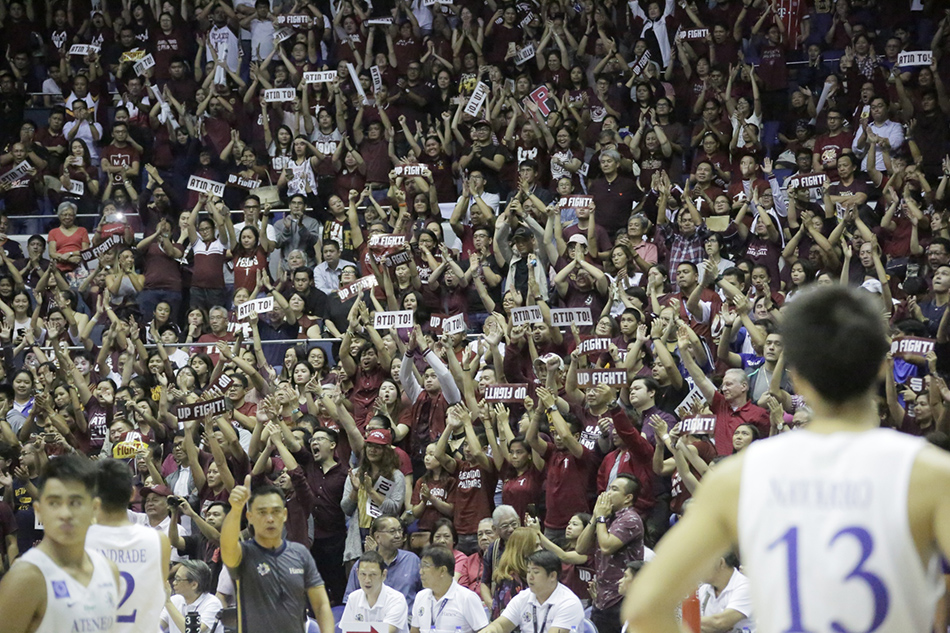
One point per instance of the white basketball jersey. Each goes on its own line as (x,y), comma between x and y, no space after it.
(824,535)
(69,605)
(137,551)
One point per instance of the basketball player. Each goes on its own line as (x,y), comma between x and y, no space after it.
(141,553)
(839,526)
(59,585)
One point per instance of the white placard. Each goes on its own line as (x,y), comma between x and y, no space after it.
(915,58)
(429,3)
(83,49)
(397,319)
(700,425)
(377,76)
(237,180)
(477,99)
(76,187)
(526,315)
(361,284)
(203,185)
(144,64)
(356,82)
(320,77)
(576,202)
(591,377)
(597,344)
(525,21)
(525,54)
(386,240)
(295,19)
(690,403)
(454,324)
(255,306)
(278,95)
(17,172)
(411,170)
(564,317)
(379,22)
(281,35)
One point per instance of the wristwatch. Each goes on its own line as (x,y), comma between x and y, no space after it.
(602,520)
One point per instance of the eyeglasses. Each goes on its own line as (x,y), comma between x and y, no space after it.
(391,532)
(510,525)
(180,579)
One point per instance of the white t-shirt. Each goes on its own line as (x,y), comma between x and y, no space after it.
(85,134)
(736,595)
(562,610)
(460,609)
(390,608)
(207,606)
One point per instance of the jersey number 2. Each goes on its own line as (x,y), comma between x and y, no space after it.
(129,588)
(874,582)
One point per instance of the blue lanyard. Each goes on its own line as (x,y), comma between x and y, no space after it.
(434,624)
(544,623)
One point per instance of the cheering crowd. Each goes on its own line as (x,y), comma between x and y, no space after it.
(460,280)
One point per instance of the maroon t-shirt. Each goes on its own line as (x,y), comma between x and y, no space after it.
(123,156)
(568,481)
(773,69)
(98,420)
(376,155)
(521,491)
(246,267)
(829,148)
(161,271)
(473,495)
(442,489)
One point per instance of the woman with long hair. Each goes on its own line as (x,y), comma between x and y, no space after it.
(249,256)
(78,174)
(571,561)
(432,495)
(361,500)
(510,575)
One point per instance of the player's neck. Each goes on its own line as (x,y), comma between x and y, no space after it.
(855,416)
(65,556)
(113,518)
(441,587)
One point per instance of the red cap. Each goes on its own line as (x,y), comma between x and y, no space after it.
(379,436)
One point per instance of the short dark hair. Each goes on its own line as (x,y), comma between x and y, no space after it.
(72,468)
(835,340)
(263,491)
(548,561)
(633,484)
(648,381)
(113,484)
(330,433)
(373,557)
(942,241)
(440,557)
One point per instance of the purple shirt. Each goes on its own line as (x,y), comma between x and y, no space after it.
(628,527)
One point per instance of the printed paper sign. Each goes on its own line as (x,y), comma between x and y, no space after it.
(215,406)
(96,251)
(17,172)
(126,449)
(397,319)
(377,76)
(699,425)
(641,64)
(382,486)
(295,19)
(356,82)
(576,202)
(526,315)
(540,96)
(222,384)
(912,346)
(591,377)
(477,100)
(278,95)
(144,64)
(236,180)
(76,187)
(386,240)
(693,401)
(282,35)
(320,77)
(916,384)
(435,323)
(411,170)
(255,306)
(429,3)
(203,185)
(358,286)
(454,324)
(594,344)
(395,259)
(695,34)
(83,49)
(379,22)
(525,53)
(915,58)
(133,56)
(805,181)
(564,317)
(514,392)
(244,328)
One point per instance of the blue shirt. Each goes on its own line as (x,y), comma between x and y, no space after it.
(402,575)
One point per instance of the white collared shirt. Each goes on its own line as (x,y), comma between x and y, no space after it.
(460,609)
(390,608)
(736,595)
(562,610)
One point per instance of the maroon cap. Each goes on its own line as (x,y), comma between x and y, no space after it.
(161,490)
(379,436)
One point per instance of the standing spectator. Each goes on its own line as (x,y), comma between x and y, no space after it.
(616,537)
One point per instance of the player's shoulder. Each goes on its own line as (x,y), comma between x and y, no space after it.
(931,471)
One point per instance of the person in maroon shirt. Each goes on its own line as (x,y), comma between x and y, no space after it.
(570,466)
(475,476)
(614,195)
(730,404)
(120,159)
(829,147)
(434,493)
(374,149)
